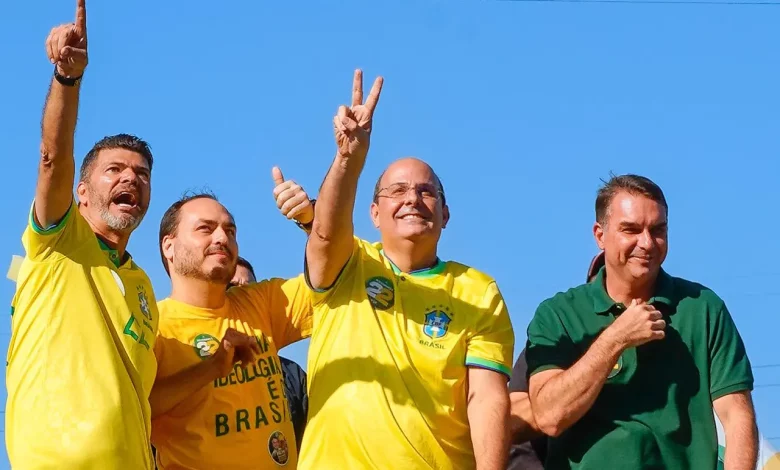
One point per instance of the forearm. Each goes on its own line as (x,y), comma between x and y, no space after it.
(172,390)
(488,416)
(522,424)
(330,241)
(566,397)
(57,168)
(741,441)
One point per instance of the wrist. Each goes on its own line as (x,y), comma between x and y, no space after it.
(65,80)
(611,343)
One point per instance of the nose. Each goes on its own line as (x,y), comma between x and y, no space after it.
(128,176)
(412,196)
(646,240)
(220,237)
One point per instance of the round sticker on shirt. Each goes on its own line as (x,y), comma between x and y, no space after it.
(205,345)
(118,281)
(277,447)
(380,292)
(616,368)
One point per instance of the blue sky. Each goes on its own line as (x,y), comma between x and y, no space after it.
(520,107)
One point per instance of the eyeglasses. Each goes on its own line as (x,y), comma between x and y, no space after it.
(400,190)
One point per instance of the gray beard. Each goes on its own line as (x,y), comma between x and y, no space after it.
(125,223)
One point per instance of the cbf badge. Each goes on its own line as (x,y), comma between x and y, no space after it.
(616,368)
(436,325)
(205,345)
(380,292)
(277,447)
(144,302)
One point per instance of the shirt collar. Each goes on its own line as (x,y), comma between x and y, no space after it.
(603,303)
(112,254)
(437,268)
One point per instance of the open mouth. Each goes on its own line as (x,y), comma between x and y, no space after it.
(413,217)
(125,200)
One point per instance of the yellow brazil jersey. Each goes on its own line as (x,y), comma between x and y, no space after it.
(81,361)
(241,421)
(388,364)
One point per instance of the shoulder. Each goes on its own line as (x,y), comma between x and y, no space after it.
(690,291)
(566,299)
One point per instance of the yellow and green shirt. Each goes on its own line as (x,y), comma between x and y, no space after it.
(388,364)
(81,361)
(241,421)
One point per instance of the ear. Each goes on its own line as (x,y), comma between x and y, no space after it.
(81,192)
(598,234)
(445,216)
(375,214)
(167,248)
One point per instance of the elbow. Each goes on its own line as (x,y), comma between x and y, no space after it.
(550,422)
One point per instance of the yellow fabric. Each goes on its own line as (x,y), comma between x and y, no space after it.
(233,422)
(387,372)
(81,361)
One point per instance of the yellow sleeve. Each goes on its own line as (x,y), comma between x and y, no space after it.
(288,304)
(492,344)
(321,296)
(61,239)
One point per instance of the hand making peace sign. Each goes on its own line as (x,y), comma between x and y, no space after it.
(352,125)
(66,45)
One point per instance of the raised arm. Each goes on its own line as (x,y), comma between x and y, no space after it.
(330,242)
(66,47)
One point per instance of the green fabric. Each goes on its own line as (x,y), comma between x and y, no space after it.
(655,410)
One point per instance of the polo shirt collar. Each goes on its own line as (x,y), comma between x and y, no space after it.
(434,270)
(603,303)
(112,254)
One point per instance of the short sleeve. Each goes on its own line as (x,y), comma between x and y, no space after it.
(320,296)
(549,345)
(730,369)
(492,344)
(64,237)
(288,304)
(519,380)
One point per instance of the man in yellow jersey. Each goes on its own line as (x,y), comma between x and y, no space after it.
(207,413)
(81,361)
(410,355)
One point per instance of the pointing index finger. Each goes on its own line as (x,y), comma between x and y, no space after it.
(357,88)
(81,15)
(373,96)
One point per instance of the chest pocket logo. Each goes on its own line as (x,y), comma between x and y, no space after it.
(380,292)
(437,323)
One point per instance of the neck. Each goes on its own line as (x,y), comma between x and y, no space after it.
(198,292)
(115,240)
(410,256)
(624,291)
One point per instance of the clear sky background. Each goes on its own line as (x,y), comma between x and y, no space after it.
(520,107)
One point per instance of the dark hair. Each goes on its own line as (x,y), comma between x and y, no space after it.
(170,220)
(243,262)
(119,141)
(632,184)
(378,187)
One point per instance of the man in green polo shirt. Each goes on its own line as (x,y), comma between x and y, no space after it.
(625,371)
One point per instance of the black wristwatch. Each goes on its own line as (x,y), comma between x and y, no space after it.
(67,81)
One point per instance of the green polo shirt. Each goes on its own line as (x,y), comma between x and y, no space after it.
(655,410)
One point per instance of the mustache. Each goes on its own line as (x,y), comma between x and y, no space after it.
(219,249)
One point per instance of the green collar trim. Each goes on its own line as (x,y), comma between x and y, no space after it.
(603,303)
(434,270)
(113,254)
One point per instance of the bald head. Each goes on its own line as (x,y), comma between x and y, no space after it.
(407,166)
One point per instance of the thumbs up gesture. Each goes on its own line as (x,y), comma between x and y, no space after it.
(66,45)
(291,199)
